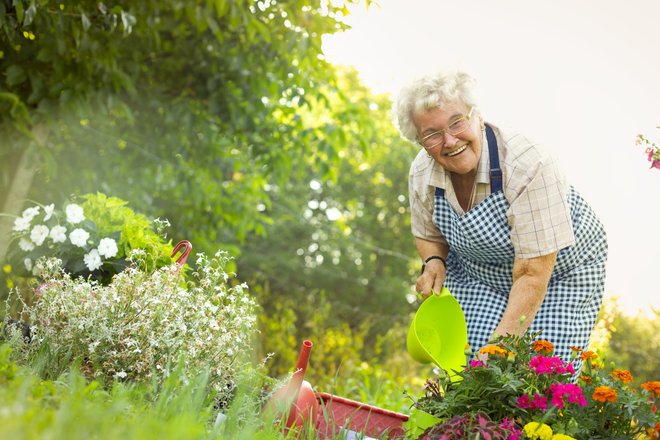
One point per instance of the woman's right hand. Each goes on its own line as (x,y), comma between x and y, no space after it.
(432,279)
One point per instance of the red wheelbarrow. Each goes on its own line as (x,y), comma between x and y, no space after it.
(328,415)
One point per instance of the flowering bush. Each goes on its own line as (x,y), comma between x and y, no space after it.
(93,238)
(140,325)
(652,150)
(522,381)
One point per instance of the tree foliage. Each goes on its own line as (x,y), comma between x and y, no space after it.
(184,108)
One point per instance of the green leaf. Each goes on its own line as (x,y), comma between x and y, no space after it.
(29,14)
(15,75)
(86,24)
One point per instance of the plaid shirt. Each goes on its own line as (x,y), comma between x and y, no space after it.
(536,190)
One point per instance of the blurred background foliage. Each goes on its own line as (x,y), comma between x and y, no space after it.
(223,117)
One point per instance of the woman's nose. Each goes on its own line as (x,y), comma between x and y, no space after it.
(450,139)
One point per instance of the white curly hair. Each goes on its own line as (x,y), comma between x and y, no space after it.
(428,91)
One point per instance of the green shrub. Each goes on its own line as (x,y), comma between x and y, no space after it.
(138,327)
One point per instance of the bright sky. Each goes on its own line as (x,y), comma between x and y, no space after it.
(581,77)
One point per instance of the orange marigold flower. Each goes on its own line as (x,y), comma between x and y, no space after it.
(585,379)
(654,433)
(586,355)
(545,346)
(652,386)
(493,349)
(605,394)
(576,349)
(623,375)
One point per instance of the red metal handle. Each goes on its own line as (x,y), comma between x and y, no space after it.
(184,255)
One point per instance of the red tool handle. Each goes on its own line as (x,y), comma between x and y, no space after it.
(184,255)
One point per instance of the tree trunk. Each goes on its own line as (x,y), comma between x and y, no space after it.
(14,199)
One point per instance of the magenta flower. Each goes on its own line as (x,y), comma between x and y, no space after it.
(523,401)
(536,402)
(655,163)
(514,432)
(572,393)
(474,363)
(549,365)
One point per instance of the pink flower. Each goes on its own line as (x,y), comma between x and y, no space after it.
(572,393)
(474,363)
(655,163)
(523,401)
(549,365)
(514,432)
(537,402)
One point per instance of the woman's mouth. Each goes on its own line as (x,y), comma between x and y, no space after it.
(456,151)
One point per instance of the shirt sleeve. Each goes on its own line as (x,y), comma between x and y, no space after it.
(421,207)
(539,213)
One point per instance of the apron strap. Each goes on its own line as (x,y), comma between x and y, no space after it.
(495,171)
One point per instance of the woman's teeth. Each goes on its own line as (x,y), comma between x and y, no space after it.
(457,151)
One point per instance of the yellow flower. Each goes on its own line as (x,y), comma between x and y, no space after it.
(605,394)
(584,378)
(623,375)
(544,346)
(493,349)
(652,386)
(562,437)
(538,431)
(586,355)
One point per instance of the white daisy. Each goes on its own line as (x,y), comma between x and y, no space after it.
(21,224)
(39,234)
(48,209)
(58,234)
(74,213)
(25,244)
(31,213)
(92,260)
(108,248)
(79,237)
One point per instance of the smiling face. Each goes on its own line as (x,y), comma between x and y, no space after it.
(460,153)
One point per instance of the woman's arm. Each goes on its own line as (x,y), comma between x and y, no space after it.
(434,272)
(530,285)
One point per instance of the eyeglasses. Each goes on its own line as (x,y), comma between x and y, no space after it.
(437,138)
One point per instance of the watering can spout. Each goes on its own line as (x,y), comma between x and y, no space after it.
(296,401)
(299,373)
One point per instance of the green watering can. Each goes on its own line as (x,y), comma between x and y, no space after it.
(438,333)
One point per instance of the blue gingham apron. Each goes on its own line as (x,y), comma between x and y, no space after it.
(480,265)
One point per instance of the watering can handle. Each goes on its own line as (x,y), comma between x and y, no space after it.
(184,255)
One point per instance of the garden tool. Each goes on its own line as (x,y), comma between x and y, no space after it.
(438,333)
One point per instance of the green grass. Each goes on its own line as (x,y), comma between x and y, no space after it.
(71,407)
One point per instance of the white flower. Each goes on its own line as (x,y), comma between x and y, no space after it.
(25,244)
(39,234)
(28,264)
(108,248)
(74,213)
(79,237)
(92,260)
(121,374)
(48,209)
(21,224)
(31,213)
(58,234)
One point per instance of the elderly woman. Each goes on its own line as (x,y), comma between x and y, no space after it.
(495,221)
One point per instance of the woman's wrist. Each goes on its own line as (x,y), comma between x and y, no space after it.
(434,257)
